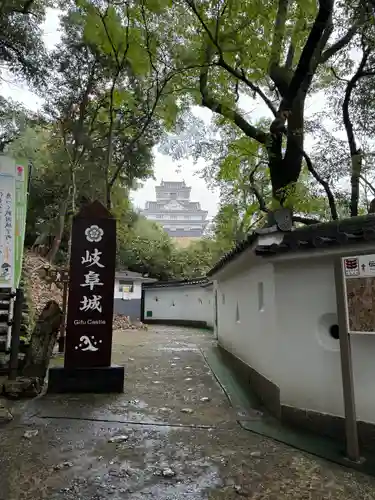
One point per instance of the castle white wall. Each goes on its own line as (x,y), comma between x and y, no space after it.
(285,335)
(187,303)
(306,308)
(246,317)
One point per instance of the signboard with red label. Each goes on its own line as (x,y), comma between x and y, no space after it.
(359,290)
(91,288)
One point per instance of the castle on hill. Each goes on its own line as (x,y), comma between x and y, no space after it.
(173,210)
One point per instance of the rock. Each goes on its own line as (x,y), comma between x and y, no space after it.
(187,410)
(63,465)
(190,389)
(30,433)
(118,439)
(168,472)
(255,454)
(5,415)
(28,387)
(205,399)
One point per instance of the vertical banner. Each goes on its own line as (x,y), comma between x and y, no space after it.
(7,209)
(21,186)
(91,288)
(14,180)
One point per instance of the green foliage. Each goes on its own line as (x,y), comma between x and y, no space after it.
(22,51)
(14,119)
(124,72)
(144,247)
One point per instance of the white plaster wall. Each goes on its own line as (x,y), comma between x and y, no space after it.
(253,338)
(191,302)
(136,294)
(308,359)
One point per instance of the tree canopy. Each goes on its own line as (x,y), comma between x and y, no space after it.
(126,76)
(22,50)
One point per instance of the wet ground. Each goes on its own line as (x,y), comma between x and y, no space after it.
(172,435)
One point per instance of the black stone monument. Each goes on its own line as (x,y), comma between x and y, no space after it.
(88,348)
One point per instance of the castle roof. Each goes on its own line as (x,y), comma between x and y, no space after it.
(156,206)
(173,184)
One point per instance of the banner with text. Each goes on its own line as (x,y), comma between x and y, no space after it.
(7,196)
(13,206)
(91,288)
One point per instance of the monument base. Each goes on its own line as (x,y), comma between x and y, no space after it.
(94,380)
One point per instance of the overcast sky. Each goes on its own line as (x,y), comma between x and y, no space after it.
(164,167)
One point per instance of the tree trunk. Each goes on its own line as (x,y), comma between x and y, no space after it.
(285,170)
(43,340)
(73,192)
(108,160)
(41,243)
(57,239)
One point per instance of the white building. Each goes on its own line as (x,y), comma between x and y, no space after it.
(277,322)
(187,302)
(180,217)
(128,292)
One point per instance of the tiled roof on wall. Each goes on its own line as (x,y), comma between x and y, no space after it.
(323,235)
(203,281)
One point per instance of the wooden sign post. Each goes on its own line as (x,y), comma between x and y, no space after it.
(88,344)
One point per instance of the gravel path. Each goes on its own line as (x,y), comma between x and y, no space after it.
(172,435)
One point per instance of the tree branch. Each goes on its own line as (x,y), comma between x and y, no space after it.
(27,6)
(290,56)
(291,50)
(337,76)
(355,153)
(255,190)
(341,43)
(242,77)
(324,184)
(368,183)
(322,21)
(210,102)
(221,61)
(278,33)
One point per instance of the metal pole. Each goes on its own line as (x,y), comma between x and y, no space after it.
(351,430)
(15,340)
(61,340)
